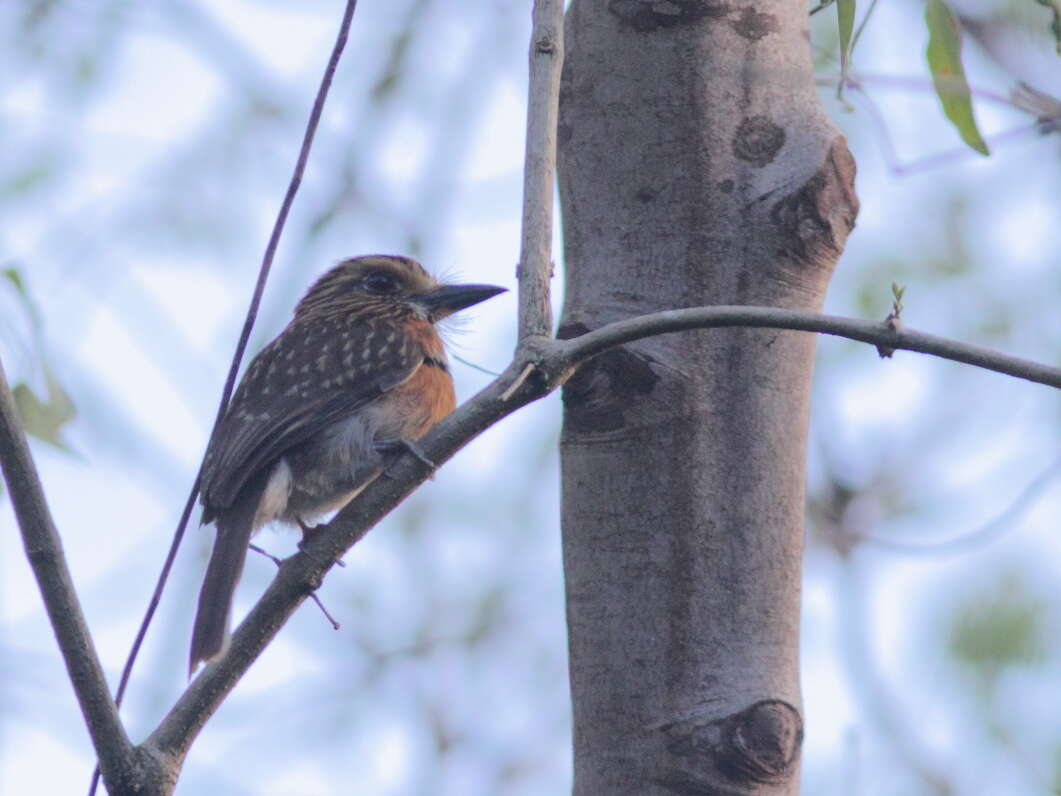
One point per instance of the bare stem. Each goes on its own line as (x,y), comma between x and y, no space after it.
(581,348)
(248,324)
(539,173)
(44,550)
(967,540)
(279,563)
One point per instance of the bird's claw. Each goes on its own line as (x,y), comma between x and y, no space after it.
(400,445)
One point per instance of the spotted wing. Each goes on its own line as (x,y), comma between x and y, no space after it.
(316,373)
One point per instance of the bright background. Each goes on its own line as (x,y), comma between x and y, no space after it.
(146,147)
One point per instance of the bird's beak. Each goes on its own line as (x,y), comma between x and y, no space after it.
(448,299)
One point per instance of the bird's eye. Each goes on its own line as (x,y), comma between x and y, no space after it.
(380,282)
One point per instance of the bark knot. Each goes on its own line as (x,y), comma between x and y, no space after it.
(758,744)
(546,45)
(762,742)
(596,396)
(753,25)
(758,140)
(817,218)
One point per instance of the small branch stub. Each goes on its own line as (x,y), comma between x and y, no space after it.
(511,390)
(759,744)
(762,743)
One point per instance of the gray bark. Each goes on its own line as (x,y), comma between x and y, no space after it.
(696,168)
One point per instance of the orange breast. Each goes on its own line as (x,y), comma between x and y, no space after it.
(416,405)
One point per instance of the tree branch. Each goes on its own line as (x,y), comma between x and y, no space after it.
(248,323)
(966,540)
(554,361)
(539,171)
(540,367)
(300,574)
(578,349)
(44,551)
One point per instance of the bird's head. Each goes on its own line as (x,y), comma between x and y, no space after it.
(389,284)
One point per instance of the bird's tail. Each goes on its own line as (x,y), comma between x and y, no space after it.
(234,528)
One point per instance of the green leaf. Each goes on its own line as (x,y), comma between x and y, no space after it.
(14,276)
(845,18)
(44,419)
(945,61)
(897,292)
(1054,6)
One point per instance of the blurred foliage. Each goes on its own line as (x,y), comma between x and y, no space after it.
(14,278)
(998,627)
(42,418)
(1054,7)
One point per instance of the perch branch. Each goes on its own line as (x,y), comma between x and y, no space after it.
(554,361)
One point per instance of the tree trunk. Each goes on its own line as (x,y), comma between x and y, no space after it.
(696,168)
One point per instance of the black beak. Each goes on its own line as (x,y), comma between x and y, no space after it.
(448,299)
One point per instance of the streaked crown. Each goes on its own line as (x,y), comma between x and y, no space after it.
(374,279)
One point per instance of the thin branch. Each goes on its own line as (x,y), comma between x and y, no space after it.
(279,563)
(539,172)
(963,542)
(857,83)
(916,83)
(248,325)
(44,551)
(581,348)
(241,346)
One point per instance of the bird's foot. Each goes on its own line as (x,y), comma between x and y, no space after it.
(308,532)
(398,446)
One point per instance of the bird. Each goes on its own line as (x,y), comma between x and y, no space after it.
(358,371)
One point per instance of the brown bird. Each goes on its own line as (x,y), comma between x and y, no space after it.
(359,370)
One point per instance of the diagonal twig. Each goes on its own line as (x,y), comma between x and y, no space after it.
(279,563)
(241,346)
